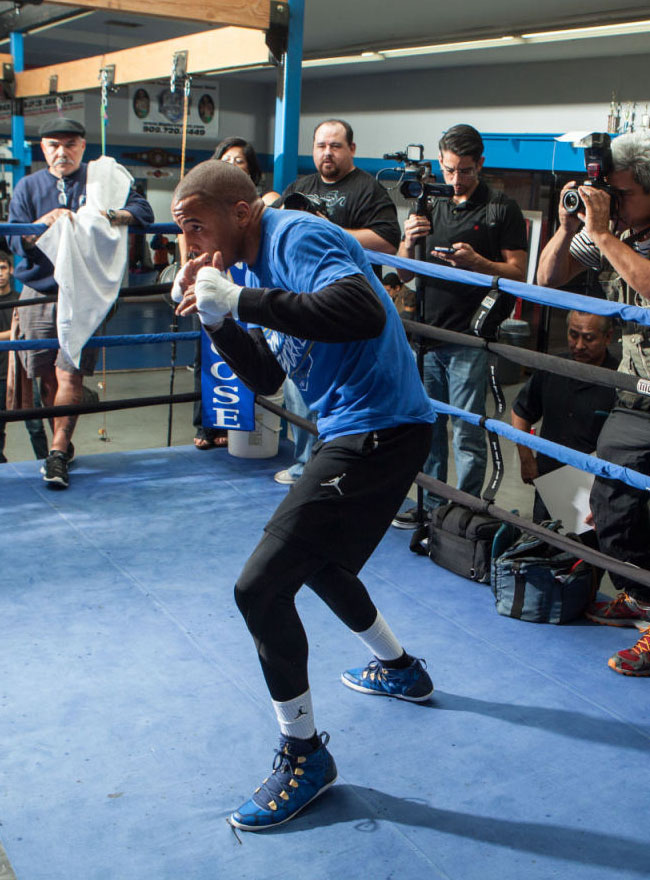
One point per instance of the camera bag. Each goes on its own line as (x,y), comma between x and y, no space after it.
(460,540)
(537,582)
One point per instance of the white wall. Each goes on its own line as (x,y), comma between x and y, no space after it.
(387,111)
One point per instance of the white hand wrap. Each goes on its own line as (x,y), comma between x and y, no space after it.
(179,284)
(216,295)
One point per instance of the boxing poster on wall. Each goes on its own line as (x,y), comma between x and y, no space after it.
(39,110)
(155,110)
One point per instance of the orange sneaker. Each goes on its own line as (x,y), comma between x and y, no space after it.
(621,611)
(634,660)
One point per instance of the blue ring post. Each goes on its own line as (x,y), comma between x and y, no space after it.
(18,121)
(287,103)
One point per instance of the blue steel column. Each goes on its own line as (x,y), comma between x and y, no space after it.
(287,103)
(18,121)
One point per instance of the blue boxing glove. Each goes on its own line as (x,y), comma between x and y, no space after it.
(216,296)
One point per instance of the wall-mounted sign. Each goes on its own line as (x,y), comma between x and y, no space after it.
(40,110)
(155,110)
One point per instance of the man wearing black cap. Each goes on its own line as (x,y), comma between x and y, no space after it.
(43,197)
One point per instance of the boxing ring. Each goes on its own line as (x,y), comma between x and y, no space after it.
(135,717)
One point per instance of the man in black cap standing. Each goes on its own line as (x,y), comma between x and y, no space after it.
(43,197)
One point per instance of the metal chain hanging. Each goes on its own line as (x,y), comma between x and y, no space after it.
(174,74)
(107,78)
(179,73)
(103,107)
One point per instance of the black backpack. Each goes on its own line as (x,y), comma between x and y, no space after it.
(460,540)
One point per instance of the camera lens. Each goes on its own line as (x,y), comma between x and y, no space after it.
(571,201)
(411,189)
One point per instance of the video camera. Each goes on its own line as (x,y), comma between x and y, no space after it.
(418,180)
(599,163)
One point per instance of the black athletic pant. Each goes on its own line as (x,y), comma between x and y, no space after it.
(620,511)
(321,535)
(265,595)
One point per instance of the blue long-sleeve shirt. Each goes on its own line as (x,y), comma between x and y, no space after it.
(36,195)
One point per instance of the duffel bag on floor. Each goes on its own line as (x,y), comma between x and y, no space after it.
(537,582)
(460,540)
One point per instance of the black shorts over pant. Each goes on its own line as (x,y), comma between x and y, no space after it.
(321,535)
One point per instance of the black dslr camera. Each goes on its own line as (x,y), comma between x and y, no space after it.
(312,203)
(598,162)
(418,181)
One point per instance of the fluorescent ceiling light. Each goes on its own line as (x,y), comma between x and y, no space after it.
(567,34)
(438,48)
(344,59)
(601,30)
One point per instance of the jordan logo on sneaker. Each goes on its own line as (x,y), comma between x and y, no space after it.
(334,482)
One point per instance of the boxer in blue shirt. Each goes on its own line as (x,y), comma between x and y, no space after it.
(325,320)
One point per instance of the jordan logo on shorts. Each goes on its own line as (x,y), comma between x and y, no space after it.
(334,482)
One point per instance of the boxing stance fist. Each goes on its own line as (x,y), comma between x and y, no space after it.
(216,296)
(181,283)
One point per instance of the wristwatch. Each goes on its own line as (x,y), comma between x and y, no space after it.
(111,214)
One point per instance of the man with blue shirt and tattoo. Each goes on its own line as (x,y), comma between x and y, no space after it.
(329,323)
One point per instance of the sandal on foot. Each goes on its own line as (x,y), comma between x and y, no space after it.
(208,438)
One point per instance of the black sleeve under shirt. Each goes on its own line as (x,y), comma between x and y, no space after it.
(345,311)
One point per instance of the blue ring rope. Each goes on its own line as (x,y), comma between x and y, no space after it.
(545,296)
(580,460)
(39,228)
(100,341)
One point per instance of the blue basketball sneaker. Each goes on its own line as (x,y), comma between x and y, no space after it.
(411,683)
(296,780)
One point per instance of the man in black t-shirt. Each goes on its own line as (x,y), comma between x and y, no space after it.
(359,204)
(572,411)
(354,199)
(483,234)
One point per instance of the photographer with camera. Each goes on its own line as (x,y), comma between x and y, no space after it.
(482,231)
(568,253)
(619,249)
(350,198)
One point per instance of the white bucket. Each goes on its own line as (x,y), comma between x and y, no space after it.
(264,441)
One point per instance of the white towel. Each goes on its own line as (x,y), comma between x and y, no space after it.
(89,256)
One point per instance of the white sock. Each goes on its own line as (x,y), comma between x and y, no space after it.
(380,640)
(296,717)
